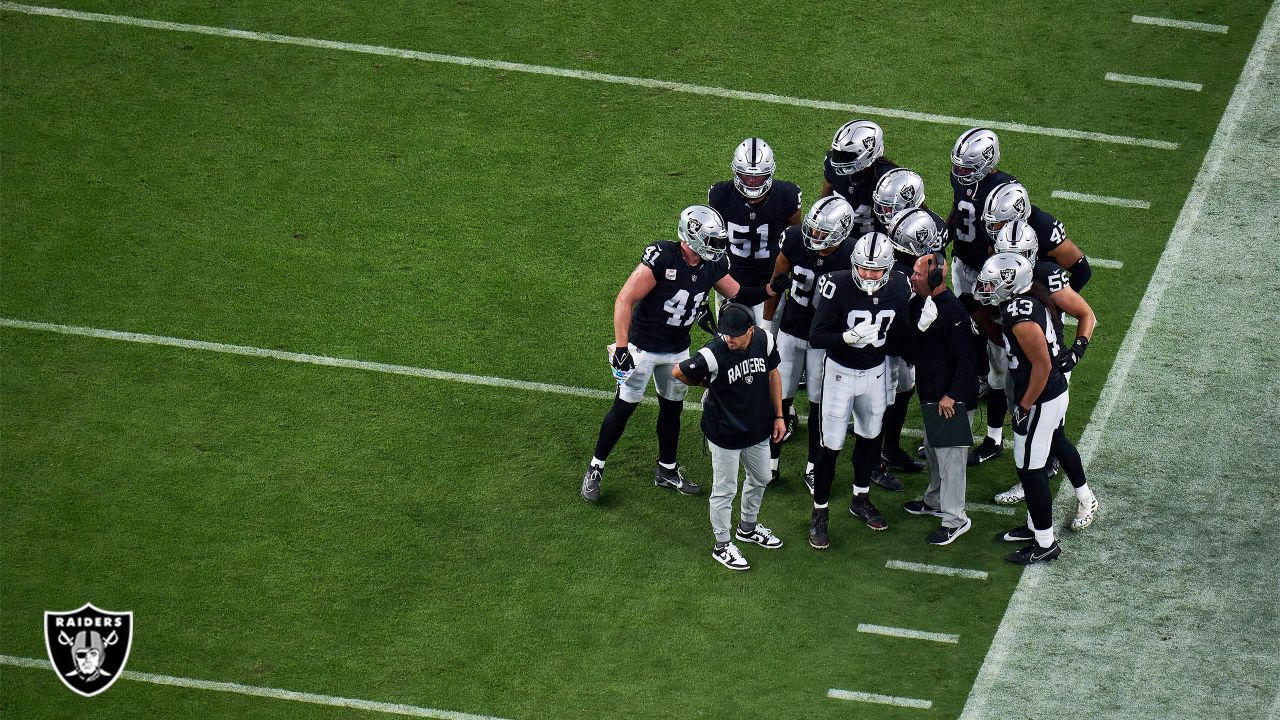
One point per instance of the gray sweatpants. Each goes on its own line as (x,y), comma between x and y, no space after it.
(947,478)
(724,485)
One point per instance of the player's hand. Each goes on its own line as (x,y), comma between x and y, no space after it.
(928,314)
(705,322)
(780,284)
(779,429)
(622,364)
(1072,356)
(862,334)
(1021,420)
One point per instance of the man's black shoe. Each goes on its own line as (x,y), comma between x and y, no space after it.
(1022,533)
(944,535)
(818,539)
(880,476)
(895,456)
(861,507)
(920,507)
(989,449)
(1033,553)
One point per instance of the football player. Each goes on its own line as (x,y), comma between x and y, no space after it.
(1039,392)
(757,209)
(651,319)
(859,316)
(1009,202)
(809,252)
(898,190)
(853,166)
(973,176)
(1018,237)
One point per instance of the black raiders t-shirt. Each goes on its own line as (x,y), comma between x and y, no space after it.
(738,411)
(1026,308)
(662,318)
(807,266)
(973,244)
(754,228)
(844,305)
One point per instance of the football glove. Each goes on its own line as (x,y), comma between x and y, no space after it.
(706,322)
(928,314)
(1072,356)
(862,334)
(780,284)
(1021,420)
(622,364)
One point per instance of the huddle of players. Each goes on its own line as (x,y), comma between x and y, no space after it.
(843,325)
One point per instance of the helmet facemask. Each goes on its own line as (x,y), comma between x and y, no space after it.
(872,252)
(753,168)
(900,189)
(827,224)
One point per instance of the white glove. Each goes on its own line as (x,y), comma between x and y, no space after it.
(928,314)
(862,334)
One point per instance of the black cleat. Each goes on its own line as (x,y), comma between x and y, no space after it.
(774,477)
(1022,533)
(988,450)
(591,483)
(895,456)
(920,507)
(920,453)
(1033,553)
(881,476)
(861,507)
(818,539)
(675,480)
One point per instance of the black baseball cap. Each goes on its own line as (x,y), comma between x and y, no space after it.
(735,320)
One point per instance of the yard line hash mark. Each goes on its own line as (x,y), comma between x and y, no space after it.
(1154,82)
(1101,199)
(594,76)
(936,569)
(879,699)
(274,693)
(1180,24)
(909,634)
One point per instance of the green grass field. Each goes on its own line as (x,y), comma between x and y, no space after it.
(364,535)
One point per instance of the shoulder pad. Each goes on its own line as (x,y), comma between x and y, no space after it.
(657,255)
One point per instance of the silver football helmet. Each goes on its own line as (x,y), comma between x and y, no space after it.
(899,189)
(827,223)
(974,156)
(703,230)
(1008,201)
(753,167)
(1003,276)
(914,232)
(1018,237)
(873,251)
(857,144)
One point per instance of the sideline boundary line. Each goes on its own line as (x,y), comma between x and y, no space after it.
(273,693)
(994,665)
(589,75)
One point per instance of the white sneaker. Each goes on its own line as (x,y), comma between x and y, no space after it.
(1012,496)
(1085,513)
(761,536)
(731,557)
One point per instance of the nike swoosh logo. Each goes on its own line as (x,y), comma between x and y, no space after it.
(959,323)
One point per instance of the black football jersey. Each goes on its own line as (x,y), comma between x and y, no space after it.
(1051,275)
(754,228)
(662,318)
(842,305)
(737,411)
(857,188)
(1049,232)
(972,243)
(1026,308)
(807,267)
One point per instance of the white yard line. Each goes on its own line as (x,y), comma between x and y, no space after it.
(1180,24)
(1101,199)
(879,699)
(909,634)
(1154,82)
(238,689)
(1105,263)
(847,108)
(936,569)
(1021,624)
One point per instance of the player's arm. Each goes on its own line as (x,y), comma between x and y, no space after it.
(1031,339)
(1070,256)
(982,316)
(827,189)
(827,330)
(640,283)
(749,296)
(1070,302)
(693,370)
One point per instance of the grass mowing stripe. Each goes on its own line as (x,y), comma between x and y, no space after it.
(936,569)
(1180,24)
(1101,199)
(909,634)
(993,509)
(276,694)
(1019,628)
(879,699)
(593,76)
(1154,82)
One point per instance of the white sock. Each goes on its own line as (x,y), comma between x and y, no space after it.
(773,464)
(597,462)
(861,491)
(1084,494)
(996,434)
(665,466)
(808,468)
(823,506)
(1044,538)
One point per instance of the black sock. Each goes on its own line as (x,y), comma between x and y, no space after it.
(866,457)
(997,407)
(815,431)
(1039,503)
(824,473)
(1068,457)
(615,421)
(668,429)
(745,526)
(894,417)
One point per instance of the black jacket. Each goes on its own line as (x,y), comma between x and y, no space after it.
(944,354)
